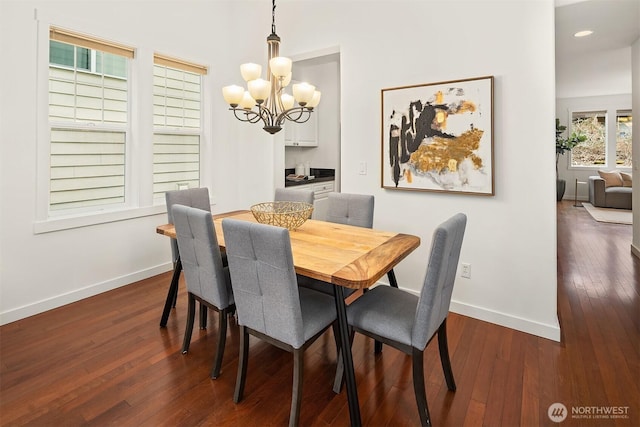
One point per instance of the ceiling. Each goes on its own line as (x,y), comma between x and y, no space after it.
(615,23)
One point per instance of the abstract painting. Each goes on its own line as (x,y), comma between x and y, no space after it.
(439,137)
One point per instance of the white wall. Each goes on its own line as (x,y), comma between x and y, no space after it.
(635,72)
(511,237)
(604,73)
(42,271)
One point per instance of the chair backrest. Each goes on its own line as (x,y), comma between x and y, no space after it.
(192,197)
(351,209)
(264,280)
(293,195)
(200,255)
(435,297)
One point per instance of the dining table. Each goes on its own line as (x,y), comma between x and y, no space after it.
(345,256)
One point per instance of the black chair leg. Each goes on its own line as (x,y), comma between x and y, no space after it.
(418,386)
(191,314)
(203,316)
(242,364)
(296,393)
(444,356)
(222,339)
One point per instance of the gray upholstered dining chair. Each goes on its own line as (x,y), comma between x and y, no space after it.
(269,303)
(195,198)
(408,322)
(208,281)
(293,195)
(351,209)
(344,208)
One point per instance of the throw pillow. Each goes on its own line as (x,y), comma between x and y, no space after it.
(611,179)
(626,179)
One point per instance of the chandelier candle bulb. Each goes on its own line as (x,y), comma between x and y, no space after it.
(259,89)
(287,101)
(233,94)
(250,71)
(303,93)
(285,82)
(280,66)
(247,101)
(315,100)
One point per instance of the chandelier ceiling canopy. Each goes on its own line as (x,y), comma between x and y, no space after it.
(266,100)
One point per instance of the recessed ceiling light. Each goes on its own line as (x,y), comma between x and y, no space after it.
(583,33)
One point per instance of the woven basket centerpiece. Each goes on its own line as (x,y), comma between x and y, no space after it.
(290,215)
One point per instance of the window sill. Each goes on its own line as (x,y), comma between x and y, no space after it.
(85,220)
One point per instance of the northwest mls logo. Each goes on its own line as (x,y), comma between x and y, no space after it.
(557,412)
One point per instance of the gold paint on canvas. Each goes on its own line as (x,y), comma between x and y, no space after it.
(446,153)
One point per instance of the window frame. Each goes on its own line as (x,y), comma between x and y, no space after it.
(139,171)
(619,113)
(610,135)
(181,65)
(93,43)
(571,129)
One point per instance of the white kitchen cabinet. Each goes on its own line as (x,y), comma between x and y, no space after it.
(321,192)
(302,134)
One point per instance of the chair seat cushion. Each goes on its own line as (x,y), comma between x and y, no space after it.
(318,311)
(385,311)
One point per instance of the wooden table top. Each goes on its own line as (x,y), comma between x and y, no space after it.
(354,257)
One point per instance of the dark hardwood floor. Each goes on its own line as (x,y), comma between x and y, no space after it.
(105,361)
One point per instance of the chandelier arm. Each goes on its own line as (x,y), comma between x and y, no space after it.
(266,115)
(296,114)
(249,115)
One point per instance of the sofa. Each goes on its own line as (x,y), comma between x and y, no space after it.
(607,191)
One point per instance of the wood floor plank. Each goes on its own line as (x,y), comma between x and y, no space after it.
(104,360)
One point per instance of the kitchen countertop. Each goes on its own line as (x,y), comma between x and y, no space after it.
(321,175)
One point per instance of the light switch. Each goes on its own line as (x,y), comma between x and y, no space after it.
(363,168)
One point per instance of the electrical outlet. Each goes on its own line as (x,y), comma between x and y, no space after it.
(465,270)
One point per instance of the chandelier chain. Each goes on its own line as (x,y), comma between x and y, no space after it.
(273,17)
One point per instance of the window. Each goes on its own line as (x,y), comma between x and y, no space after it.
(623,138)
(177,95)
(591,152)
(88,119)
(101,156)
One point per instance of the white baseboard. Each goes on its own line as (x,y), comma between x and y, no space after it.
(635,250)
(549,331)
(78,294)
(542,330)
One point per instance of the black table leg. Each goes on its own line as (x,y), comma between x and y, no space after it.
(394,284)
(171,295)
(343,326)
(392,279)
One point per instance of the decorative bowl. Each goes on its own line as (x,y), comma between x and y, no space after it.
(290,215)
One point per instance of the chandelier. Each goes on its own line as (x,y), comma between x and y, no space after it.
(272,105)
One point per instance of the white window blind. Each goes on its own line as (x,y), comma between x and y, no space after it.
(88,116)
(177,94)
